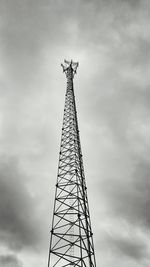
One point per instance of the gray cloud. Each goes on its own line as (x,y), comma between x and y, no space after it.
(27,26)
(129,196)
(18,226)
(9,261)
(130,247)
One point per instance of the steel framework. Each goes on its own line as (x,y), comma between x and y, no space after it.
(71,241)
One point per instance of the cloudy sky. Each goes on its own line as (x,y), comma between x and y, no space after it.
(111,41)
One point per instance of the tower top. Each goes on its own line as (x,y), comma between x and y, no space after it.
(70,67)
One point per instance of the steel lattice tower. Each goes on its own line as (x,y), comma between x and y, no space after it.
(71,241)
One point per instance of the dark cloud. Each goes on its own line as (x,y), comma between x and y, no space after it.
(129,196)
(10,261)
(18,227)
(130,247)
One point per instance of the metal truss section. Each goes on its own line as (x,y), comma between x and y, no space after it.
(71,241)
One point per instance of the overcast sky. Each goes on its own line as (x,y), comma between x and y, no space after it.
(111,41)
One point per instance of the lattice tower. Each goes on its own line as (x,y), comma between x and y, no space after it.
(71,241)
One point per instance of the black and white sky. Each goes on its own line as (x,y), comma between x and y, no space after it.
(111,41)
